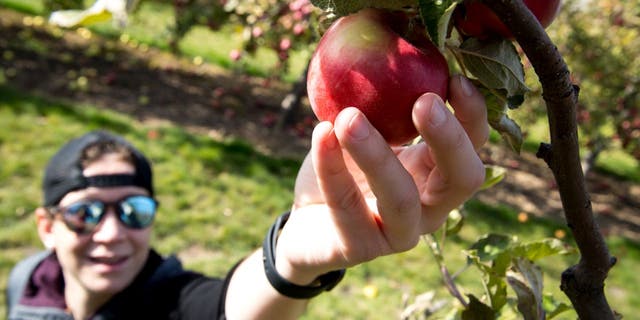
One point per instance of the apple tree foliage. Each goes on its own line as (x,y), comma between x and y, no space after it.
(599,38)
(512,281)
(496,64)
(601,42)
(278,25)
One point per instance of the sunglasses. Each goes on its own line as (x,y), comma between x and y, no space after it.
(135,212)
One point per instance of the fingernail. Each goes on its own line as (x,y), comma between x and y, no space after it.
(437,115)
(466,86)
(358,128)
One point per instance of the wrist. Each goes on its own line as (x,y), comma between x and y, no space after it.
(290,272)
(294,283)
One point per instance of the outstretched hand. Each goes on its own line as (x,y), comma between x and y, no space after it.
(357,199)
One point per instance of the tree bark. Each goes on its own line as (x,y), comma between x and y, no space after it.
(583,283)
(292,101)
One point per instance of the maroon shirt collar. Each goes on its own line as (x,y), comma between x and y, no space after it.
(46,286)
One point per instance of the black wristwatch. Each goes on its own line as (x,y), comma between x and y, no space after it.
(323,283)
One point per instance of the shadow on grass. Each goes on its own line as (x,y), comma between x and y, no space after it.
(233,156)
(149,85)
(503,219)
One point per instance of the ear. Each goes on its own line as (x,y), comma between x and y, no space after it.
(44,222)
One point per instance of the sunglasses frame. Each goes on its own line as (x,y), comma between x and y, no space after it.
(89,227)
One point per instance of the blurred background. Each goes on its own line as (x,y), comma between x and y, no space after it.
(214,92)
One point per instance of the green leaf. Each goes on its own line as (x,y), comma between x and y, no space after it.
(345,7)
(492,176)
(554,306)
(492,255)
(526,280)
(497,65)
(499,74)
(443,24)
(503,260)
(436,16)
(526,298)
(499,119)
(490,246)
(454,223)
(562,307)
(476,310)
(497,286)
(509,131)
(542,248)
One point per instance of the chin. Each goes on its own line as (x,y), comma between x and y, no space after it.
(101,282)
(114,276)
(101,285)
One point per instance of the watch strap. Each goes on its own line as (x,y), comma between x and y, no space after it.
(323,283)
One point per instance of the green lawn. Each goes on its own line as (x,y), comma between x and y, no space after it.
(219,198)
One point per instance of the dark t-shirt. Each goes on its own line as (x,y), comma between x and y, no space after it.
(162,290)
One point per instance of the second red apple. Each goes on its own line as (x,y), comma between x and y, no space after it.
(474,19)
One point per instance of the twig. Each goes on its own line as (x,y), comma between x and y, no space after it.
(582,283)
(449,282)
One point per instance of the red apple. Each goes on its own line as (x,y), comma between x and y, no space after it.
(362,62)
(474,19)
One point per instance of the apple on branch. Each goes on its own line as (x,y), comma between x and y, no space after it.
(364,60)
(472,18)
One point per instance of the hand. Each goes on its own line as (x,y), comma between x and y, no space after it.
(357,199)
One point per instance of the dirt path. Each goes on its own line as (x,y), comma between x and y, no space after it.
(530,187)
(158,87)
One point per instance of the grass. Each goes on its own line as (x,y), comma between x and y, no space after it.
(151,25)
(613,160)
(221,190)
(620,164)
(218,198)
(34,7)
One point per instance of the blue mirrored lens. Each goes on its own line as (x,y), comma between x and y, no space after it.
(136,212)
(81,216)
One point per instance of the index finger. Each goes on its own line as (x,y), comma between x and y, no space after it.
(470,109)
(395,192)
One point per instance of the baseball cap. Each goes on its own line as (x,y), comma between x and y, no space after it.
(63,174)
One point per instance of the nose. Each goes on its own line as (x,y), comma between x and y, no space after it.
(110,228)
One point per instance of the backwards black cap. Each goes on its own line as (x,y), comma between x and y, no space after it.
(64,171)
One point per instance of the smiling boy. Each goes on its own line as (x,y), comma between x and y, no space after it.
(355,199)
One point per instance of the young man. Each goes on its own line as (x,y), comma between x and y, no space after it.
(355,199)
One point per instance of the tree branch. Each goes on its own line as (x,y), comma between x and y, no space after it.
(584,282)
